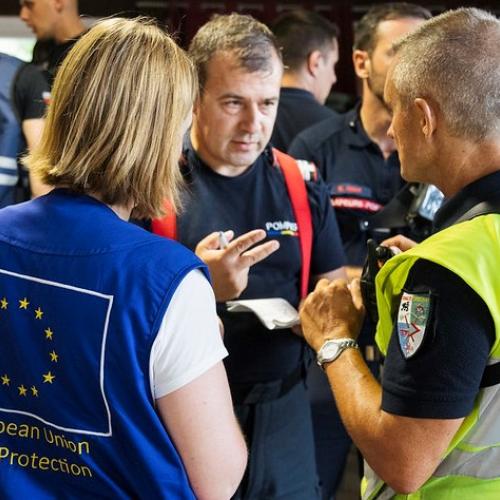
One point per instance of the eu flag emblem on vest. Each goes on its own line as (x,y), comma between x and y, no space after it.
(413,315)
(52,353)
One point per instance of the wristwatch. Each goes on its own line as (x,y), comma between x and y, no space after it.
(332,349)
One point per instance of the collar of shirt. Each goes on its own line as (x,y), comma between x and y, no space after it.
(484,189)
(355,133)
(295,93)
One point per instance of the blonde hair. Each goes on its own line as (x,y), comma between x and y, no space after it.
(114,125)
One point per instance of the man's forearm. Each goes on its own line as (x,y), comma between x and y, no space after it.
(403,451)
(358,396)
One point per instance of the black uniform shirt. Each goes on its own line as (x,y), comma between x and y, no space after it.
(31,93)
(442,379)
(258,198)
(297,110)
(360,180)
(49,55)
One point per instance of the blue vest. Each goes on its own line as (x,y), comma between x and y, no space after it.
(11,136)
(82,296)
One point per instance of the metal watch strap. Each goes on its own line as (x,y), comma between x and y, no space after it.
(343,344)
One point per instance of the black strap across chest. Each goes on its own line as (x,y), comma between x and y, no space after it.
(483,208)
(491,374)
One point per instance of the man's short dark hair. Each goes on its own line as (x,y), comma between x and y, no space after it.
(365,30)
(252,42)
(300,32)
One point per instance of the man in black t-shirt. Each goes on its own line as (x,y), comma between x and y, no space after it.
(235,186)
(430,429)
(56,25)
(310,51)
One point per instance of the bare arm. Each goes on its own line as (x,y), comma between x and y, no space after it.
(403,451)
(200,419)
(336,274)
(229,266)
(32,130)
(353,272)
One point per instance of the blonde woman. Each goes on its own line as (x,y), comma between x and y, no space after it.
(112,381)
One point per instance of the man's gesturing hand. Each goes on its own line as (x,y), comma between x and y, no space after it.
(229,266)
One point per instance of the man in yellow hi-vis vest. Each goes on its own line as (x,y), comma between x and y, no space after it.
(431,430)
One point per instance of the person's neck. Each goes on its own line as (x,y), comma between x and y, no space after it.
(72,27)
(297,81)
(124,211)
(460,162)
(219,168)
(376,119)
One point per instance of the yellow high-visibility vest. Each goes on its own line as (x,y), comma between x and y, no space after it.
(470,468)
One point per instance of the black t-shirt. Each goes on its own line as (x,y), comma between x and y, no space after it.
(31,93)
(297,110)
(258,199)
(360,180)
(442,379)
(57,55)
(48,56)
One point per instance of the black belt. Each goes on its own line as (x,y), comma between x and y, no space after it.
(268,391)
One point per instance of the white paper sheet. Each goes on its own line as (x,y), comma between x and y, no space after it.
(274,313)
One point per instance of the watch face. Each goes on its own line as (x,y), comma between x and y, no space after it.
(329,351)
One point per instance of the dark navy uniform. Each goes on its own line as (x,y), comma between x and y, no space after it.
(265,368)
(298,109)
(360,180)
(459,335)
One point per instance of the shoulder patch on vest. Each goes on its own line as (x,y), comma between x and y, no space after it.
(413,317)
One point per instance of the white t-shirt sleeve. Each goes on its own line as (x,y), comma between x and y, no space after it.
(188,341)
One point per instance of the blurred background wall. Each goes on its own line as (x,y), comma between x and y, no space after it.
(184,17)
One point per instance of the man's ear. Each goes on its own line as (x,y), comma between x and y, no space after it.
(313,62)
(59,5)
(361,62)
(427,117)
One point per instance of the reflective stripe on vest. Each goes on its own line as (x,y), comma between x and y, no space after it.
(6,162)
(8,171)
(471,250)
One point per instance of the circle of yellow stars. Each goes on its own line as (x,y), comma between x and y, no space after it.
(46,378)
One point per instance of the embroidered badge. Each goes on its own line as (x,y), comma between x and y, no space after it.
(413,315)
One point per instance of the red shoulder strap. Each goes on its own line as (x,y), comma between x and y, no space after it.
(167,225)
(300,203)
